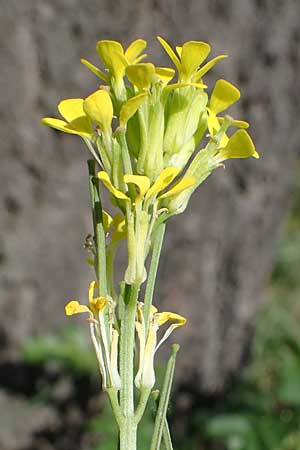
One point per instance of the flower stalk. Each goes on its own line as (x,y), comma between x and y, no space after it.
(152,141)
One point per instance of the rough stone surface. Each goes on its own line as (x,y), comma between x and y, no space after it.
(218,255)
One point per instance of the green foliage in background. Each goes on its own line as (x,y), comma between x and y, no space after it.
(70,348)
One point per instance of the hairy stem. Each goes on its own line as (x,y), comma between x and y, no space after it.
(127,344)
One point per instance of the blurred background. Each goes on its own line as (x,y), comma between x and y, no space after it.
(230,264)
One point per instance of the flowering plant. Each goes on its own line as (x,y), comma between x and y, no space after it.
(143,130)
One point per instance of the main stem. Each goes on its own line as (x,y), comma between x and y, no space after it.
(128,428)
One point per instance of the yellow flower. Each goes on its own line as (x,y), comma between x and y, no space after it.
(99,108)
(223,96)
(148,345)
(239,145)
(105,342)
(141,75)
(188,59)
(146,191)
(116,60)
(130,107)
(139,225)
(76,120)
(96,304)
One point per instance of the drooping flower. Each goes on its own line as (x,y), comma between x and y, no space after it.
(105,343)
(96,304)
(149,343)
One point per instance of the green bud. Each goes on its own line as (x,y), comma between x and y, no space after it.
(200,168)
(150,160)
(183,114)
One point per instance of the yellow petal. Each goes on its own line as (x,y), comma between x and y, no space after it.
(139,58)
(236,123)
(130,107)
(119,228)
(72,111)
(179,50)
(204,69)
(103,176)
(61,125)
(134,50)
(153,310)
(165,74)
(141,75)
(213,124)
(71,108)
(240,145)
(192,55)
(223,95)
(166,177)
(92,286)
(98,106)
(58,124)
(98,304)
(141,181)
(94,69)
(112,55)
(74,307)
(107,221)
(180,85)
(169,316)
(170,52)
(181,186)
(162,318)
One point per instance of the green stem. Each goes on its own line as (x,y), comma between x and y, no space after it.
(167,436)
(98,229)
(157,246)
(92,170)
(127,341)
(164,400)
(128,434)
(121,138)
(166,431)
(113,398)
(130,273)
(144,396)
(143,140)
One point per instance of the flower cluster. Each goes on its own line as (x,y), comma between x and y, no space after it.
(143,131)
(143,126)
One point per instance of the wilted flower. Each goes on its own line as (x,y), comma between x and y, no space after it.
(105,340)
(148,342)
